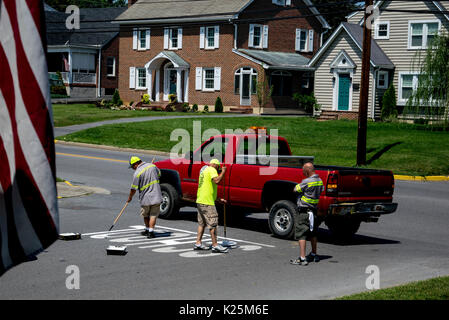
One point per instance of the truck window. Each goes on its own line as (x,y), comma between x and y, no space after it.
(214,149)
(250,146)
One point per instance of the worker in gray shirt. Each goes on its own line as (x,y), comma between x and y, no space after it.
(146,180)
(306,224)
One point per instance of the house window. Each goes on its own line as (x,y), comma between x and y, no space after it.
(301,39)
(110,66)
(237,83)
(382,80)
(174,38)
(247,75)
(142,40)
(382,30)
(407,85)
(141,78)
(208,78)
(421,34)
(282,83)
(256,35)
(210,37)
(279,2)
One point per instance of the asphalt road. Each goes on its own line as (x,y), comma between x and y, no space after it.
(411,244)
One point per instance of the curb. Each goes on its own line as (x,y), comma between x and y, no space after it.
(110,148)
(167,154)
(421,178)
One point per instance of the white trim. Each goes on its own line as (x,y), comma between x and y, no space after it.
(336,74)
(139,34)
(138,87)
(385,86)
(376,30)
(424,34)
(217,37)
(206,38)
(217,78)
(186,85)
(249,58)
(149,83)
(298,40)
(132,77)
(202,36)
(113,67)
(337,62)
(135,35)
(166,36)
(198,78)
(157,89)
(204,79)
(251,36)
(265,37)
(317,14)
(402,101)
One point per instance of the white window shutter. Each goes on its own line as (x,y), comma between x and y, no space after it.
(148,39)
(217,37)
(166,32)
(202,33)
(251,36)
(311,40)
(180,38)
(297,39)
(217,79)
(288,2)
(199,78)
(132,77)
(134,39)
(265,37)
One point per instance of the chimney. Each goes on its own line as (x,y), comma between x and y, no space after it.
(131,2)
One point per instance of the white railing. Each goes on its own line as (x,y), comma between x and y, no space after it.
(65,76)
(78,77)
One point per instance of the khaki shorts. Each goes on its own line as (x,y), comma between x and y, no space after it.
(150,211)
(207,216)
(302,226)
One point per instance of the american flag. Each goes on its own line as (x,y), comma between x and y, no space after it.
(29,219)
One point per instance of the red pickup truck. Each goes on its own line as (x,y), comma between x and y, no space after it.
(350,196)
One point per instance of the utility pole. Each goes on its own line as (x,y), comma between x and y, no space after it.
(364,88)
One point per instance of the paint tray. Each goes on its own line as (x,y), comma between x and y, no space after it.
(70,236)
(116,251)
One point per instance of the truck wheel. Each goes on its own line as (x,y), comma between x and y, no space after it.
(281,220)
(170,202)
(343,228)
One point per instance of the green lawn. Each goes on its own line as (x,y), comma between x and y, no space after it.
(70,114)
(433,289)
(393,146)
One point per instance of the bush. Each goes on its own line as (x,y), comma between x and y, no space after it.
(116,101)
(146,98)
(185,107)
(195,108)
(218,105)
(389,107)
(206,108)
(172,98)
(308,102)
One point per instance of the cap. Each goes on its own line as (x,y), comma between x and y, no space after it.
(133,160)
(215,161)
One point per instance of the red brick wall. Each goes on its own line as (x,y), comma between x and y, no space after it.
(110,50)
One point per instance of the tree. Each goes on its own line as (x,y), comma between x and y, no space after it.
(389,104)
(431,97)
(218,105)
(263,93)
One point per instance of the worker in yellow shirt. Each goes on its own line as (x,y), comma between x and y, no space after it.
(205,199)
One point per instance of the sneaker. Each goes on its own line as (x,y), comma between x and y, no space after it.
(313,258)
(145,232)
(201,247)
(219,249)
(299,261)
(151,235)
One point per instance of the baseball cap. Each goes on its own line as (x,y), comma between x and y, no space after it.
(133,160)
(215,161)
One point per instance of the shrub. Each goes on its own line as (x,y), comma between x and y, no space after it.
(185,107)
(146,98)
(308,102)
(206,108)
(172,97)
(389,107)
(131,103)
(195,108)
(116,101)
(218,105)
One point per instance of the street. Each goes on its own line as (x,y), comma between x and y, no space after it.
(411,244)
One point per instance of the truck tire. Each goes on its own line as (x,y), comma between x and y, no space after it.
(281,220)
(170,202)
(343,228)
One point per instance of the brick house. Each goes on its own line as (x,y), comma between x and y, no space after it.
(87,58)
(200,50)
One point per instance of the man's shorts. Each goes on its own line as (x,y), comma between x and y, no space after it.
(150,211)
(207,216)
(302,225)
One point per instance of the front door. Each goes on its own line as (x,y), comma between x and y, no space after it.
(170,83)
(245,89)
(344,85)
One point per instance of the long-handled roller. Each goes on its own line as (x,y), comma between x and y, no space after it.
(226,242)
(118,217)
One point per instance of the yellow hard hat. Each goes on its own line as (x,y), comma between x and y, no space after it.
(133,160)
(215,161)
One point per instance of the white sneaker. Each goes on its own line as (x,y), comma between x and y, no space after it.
(219,249)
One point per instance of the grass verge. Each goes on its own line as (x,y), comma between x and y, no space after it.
(433,289)
(71,114)
(392,146)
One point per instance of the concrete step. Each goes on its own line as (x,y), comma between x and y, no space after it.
(241,110)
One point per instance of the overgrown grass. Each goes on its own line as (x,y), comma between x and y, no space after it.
(392,146)
(433,289)
(71,114)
